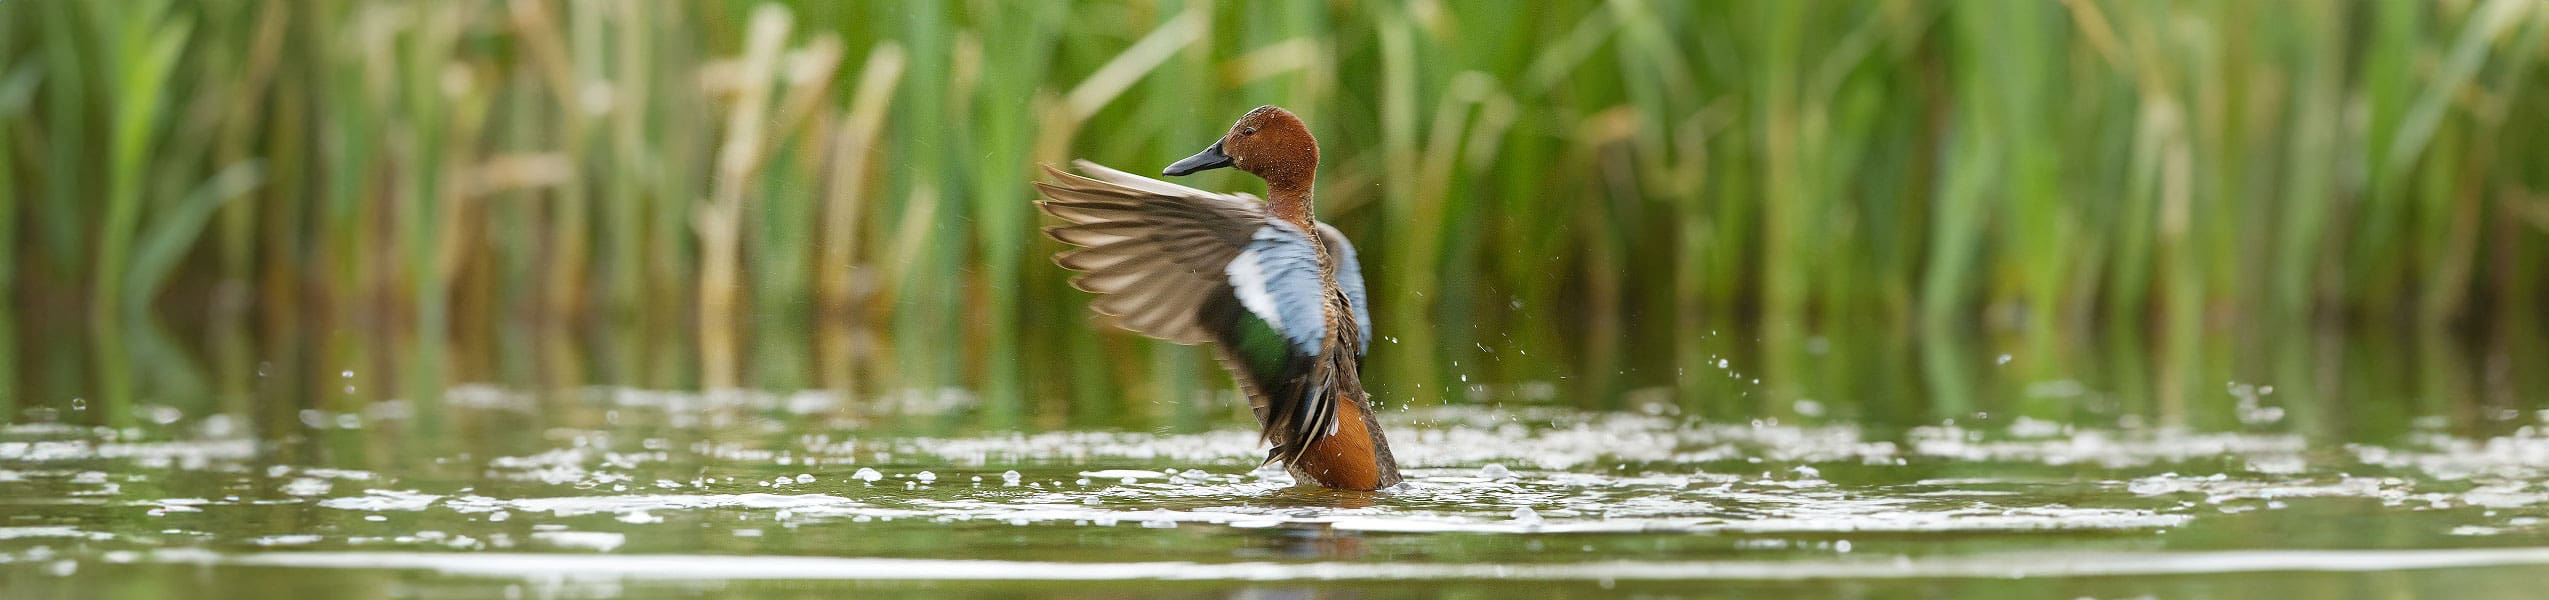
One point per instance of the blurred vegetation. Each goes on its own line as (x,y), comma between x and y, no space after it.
(242,195)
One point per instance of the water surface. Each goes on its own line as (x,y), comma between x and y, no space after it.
(2028,485)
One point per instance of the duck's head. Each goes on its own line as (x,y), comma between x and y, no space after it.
(1267,142)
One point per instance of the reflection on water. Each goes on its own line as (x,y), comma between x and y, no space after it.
(272,369)
(1782,463)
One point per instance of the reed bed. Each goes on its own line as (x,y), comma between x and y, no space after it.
(337,197)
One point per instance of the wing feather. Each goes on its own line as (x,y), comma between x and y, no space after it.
(1349,278)
(1147,246)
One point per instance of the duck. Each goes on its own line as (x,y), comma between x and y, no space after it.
(1278,294)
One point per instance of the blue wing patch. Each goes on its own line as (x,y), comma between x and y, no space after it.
(1349,275)
(1277,279)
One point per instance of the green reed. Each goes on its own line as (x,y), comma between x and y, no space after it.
(17,86)
(835,194)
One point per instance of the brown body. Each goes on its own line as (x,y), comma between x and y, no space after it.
(1351,459)
(1357,456)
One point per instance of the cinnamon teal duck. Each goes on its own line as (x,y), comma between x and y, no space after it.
(1277,292)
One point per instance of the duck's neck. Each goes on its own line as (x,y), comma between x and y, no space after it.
(1289,199)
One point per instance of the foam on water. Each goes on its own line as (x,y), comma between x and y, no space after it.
(1996,566)
(1530,473)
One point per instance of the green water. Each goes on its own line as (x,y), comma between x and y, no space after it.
(2326,466)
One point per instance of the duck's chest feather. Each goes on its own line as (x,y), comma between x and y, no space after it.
(1354,458)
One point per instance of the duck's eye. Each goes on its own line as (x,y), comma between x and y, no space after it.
(1248,131)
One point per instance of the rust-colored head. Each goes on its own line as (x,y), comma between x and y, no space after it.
(1267,142)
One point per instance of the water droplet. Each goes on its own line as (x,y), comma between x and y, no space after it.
(928,477)
(2004,359)
(1011,478)
(805,478)
(348,374)
(868,475)
(1494,471)
(1526,516)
